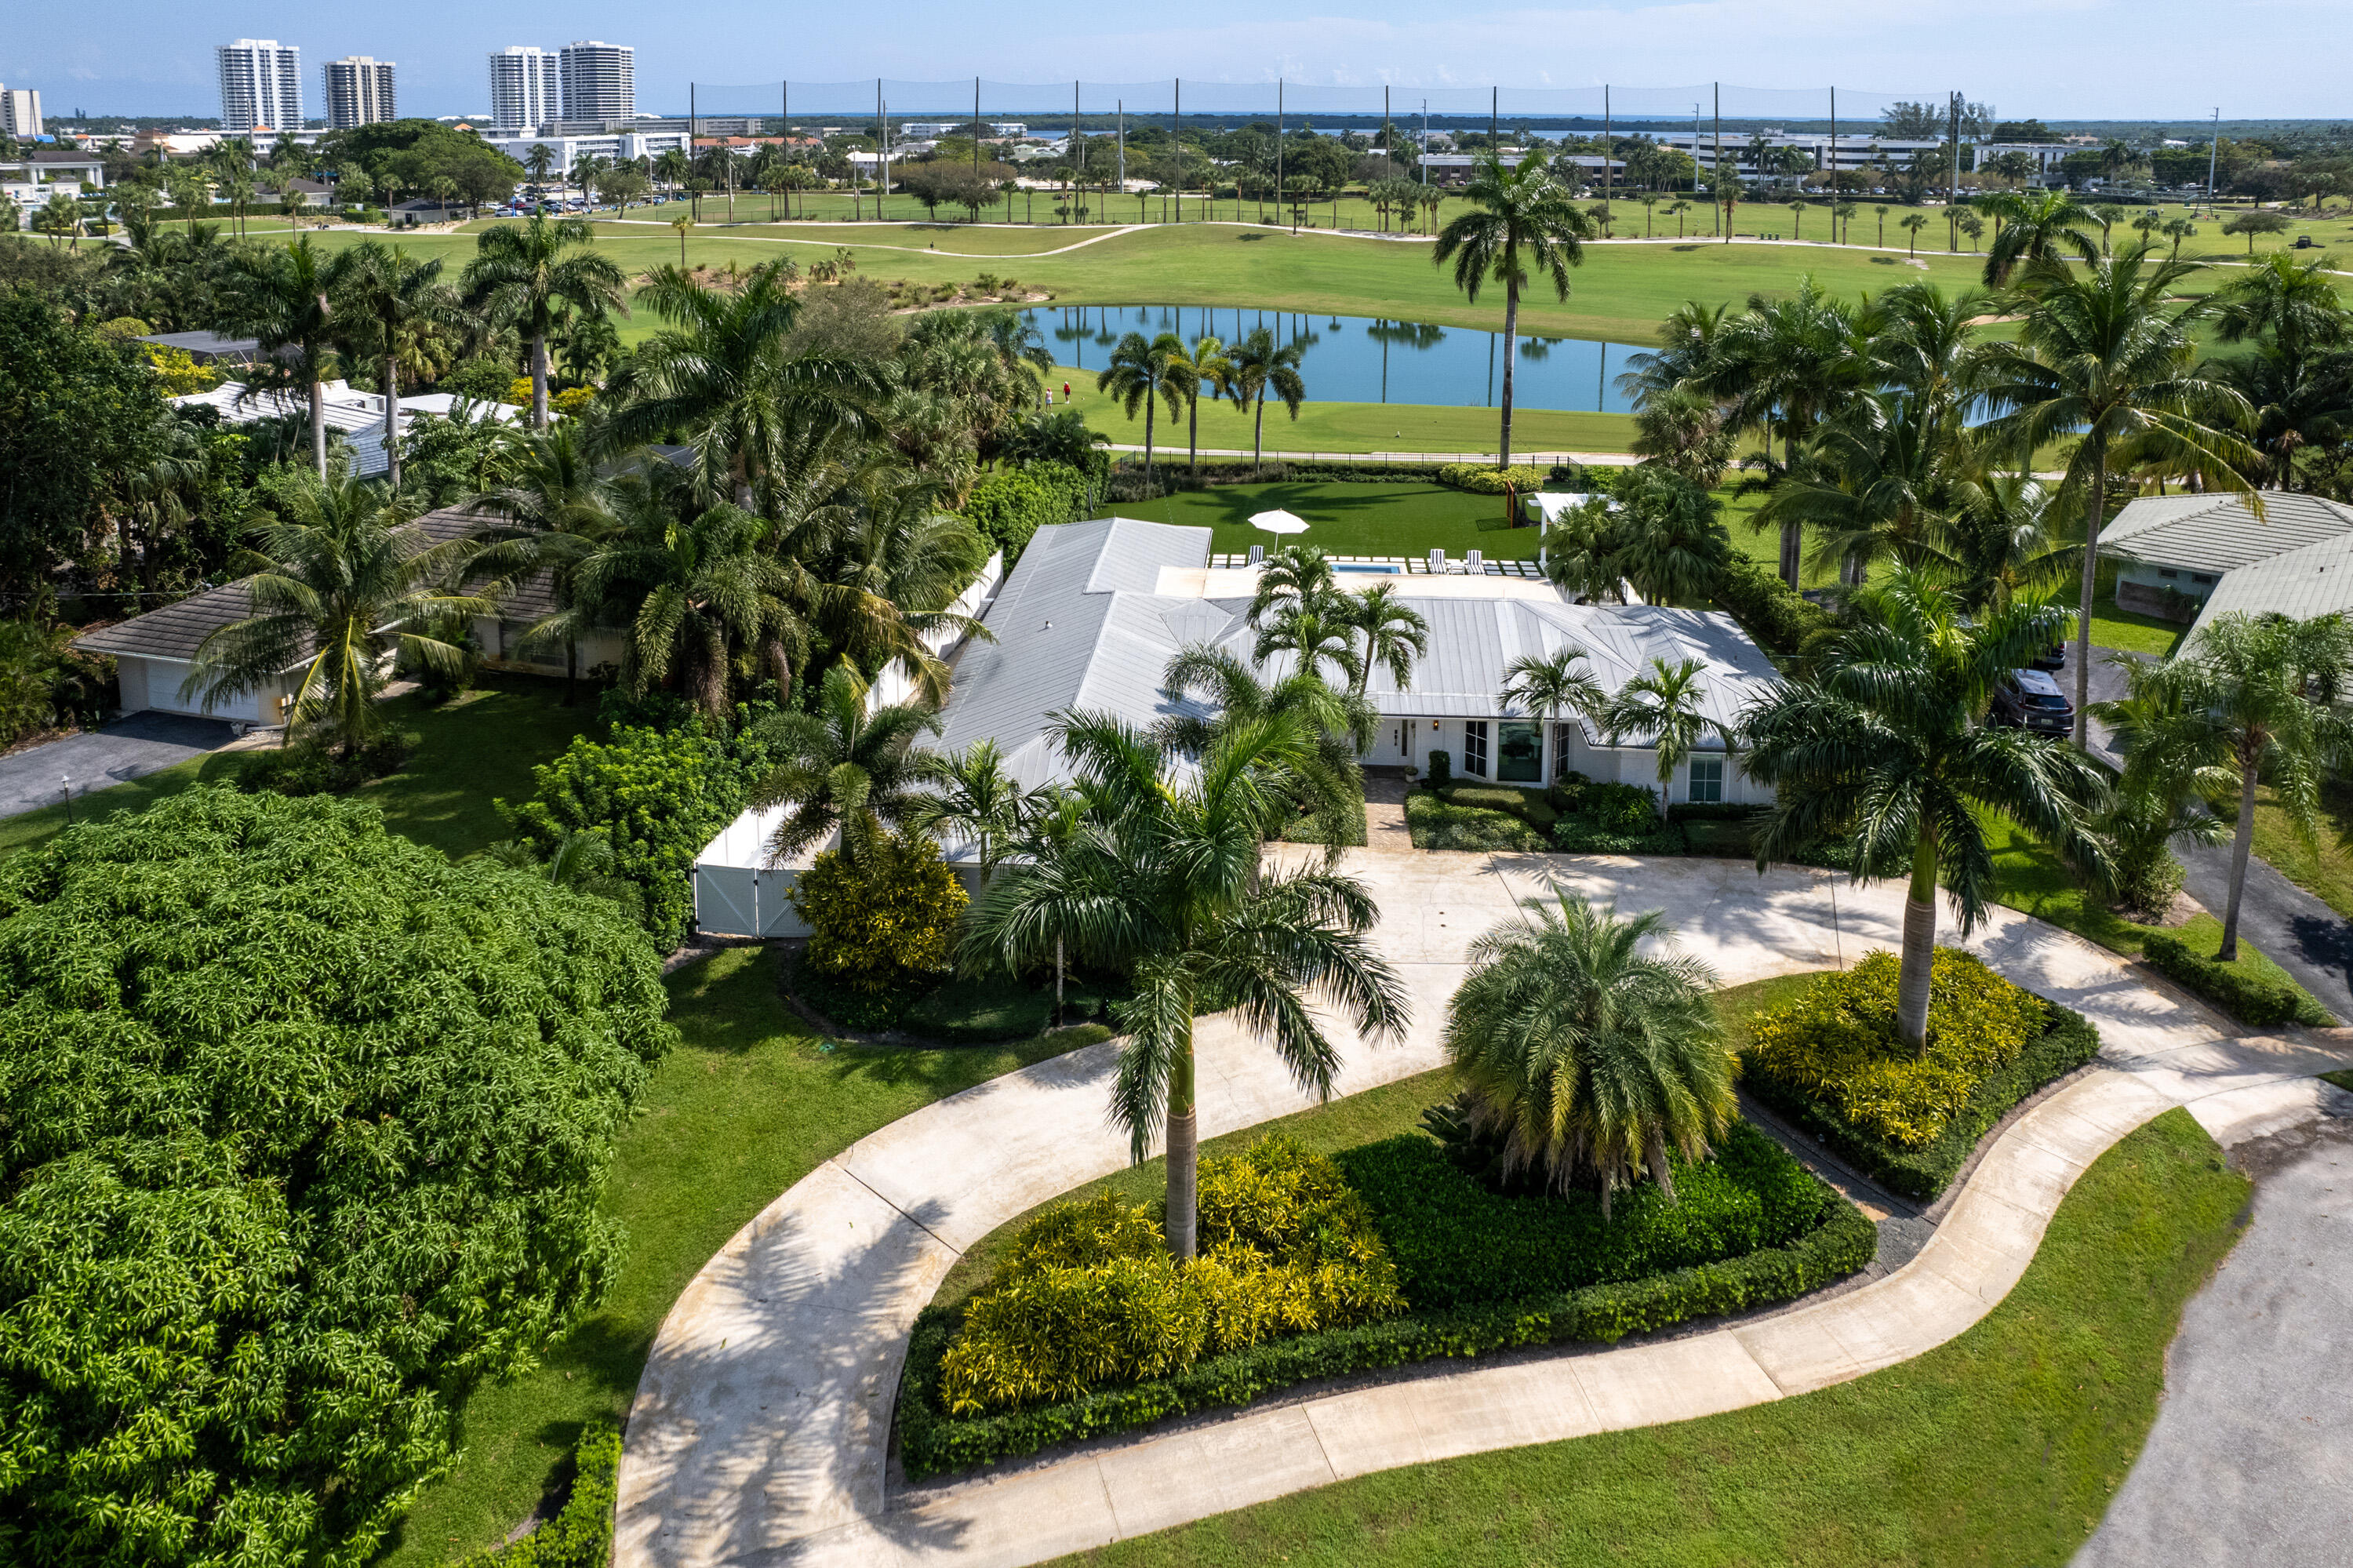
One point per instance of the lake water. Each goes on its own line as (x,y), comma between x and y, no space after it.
(1359,359)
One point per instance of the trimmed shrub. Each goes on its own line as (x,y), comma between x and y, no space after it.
(1010,505)
(1442,771)
(2246,993)
(1527,805)
(885,922)
(1481,478)
(1778,618)
(1435,825)
(581,1534)
(1609,818)
(1836,1045)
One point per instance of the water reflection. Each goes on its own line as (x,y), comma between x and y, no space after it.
(1363,359)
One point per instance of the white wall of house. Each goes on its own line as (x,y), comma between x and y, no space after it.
(504,648)
(1409,741)
(151,683)
(2157,579)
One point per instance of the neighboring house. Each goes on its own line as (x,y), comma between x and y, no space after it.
(2215,556)
(1095,611)
(153,652)
(357,417)
(209,347)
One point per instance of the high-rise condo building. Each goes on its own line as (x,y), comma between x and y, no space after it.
(261,87)
(359,92)
(526,88)
(20,110)
(599,81)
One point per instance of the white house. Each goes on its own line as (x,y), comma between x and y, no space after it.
(357,416)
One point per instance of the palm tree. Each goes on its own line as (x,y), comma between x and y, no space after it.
(1163,881)
(2293,307)
(2043,229)
(1582,1053)
(583,862)
(1340,723)
(398,298)
(1786,364)
(1661,707)
(1912,223)
(553,512)
(1997,543)
(529,274)
(538,160)
(1887,741)
(1553,684)
(1316,634)
(974,800)
(2105,354)
(1520,218)
(2241,709)
(1202,368)
(1667,539)
(281,299)
(1260,367)
(844,769)
(1147,373)
(1296,576)
(1395,634)
(349,581)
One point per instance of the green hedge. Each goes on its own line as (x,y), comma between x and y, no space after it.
(1435,825)
(581,1534)
(1922,1174)
(2244,992)
(1010,505)
(1484,479)
(931,1442)
(1457,1242)
(1768,609)
(1610,818)
(1528,805)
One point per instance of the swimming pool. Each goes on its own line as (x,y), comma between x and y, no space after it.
(1375,569)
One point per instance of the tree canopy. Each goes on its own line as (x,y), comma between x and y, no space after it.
(301,1129)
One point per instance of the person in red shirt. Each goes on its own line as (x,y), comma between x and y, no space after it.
(1066,391)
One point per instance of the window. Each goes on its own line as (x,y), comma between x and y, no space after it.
(1519,753)
(2167,572)
(1560,751)
(2201,580)
(1707,780)
(1475,748)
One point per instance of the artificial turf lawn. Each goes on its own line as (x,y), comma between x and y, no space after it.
(1347,518)
(2000,1447)
(472,752)
(749,1103)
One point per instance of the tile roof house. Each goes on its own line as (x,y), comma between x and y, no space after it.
(2215,552)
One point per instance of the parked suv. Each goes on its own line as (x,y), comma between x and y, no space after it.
(2030,699)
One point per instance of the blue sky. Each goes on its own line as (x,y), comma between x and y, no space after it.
(2125,58)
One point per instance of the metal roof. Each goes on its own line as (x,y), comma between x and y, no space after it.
(2219,534)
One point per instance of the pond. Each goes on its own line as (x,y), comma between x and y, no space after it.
(1361,359)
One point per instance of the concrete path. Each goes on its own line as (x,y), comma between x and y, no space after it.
(2250,1461)
(761,1425)
(127,749)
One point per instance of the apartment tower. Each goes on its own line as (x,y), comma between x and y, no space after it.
(261,87)
(599,82)
(526,88)
(359,92)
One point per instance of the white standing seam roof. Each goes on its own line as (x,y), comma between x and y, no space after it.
(2218,534)
(1078,626)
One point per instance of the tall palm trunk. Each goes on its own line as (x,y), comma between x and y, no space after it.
(539,381)
(1511,334)
(392,414)
(1151,397)
(2094,508)
(1184,1154)
(1919,947)
(1792,531)
(2241,843)
(318,421)
(1193,431)
(1257,431)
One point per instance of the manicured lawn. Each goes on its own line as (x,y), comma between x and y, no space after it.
(1347,519)
(2000,1448)
(2323,868)
(2129,631)
(747,1105)
(473,751)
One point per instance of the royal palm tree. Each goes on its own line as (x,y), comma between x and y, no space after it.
(2106,355)
(1785,365)
(2252,699)
(390,300)
(349,581)
(1556,683)
(845,768)
(1147,373)
(1584,1055)
(1204,367)
(1164,882)
(1521,220)
(282,300)
(529,274)
(1886,743)
(1261,368)
(1395,634)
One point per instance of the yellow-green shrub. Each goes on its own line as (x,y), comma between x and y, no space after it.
(889,916)
(1089,1296)
(1484,479)
(1837,1043)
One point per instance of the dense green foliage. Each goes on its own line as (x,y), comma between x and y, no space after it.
(301,1132)
(1768,609)
(657,797)
(1609,818)
(2239,989)
(884,921)
(581,1534)
(1459,1242)
(1011,505)
(1437,825)
(402,157)
(1484,479)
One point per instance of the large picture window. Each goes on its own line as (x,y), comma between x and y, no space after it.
(1519,753)
(1707,780)
(1475,748)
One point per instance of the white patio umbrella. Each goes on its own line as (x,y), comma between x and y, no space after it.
(1278,523)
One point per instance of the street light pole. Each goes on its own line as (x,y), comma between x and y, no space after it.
(2212,147)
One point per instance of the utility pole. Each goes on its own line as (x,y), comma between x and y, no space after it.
(1176,153)
(976,128)
(1606,141)
(1495,138)
(1723,218)
(2212,148)
(1119,130)
(1421,157)
(1834,181)
(1278,149)
(1953,199)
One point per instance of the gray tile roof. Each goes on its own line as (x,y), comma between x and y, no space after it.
(2221,533)
(2303,584)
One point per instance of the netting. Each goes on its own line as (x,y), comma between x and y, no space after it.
(1052,108)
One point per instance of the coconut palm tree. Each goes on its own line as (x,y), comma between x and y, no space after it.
(282,300)
(2048,228)
(389,300)
(1998,542)
(1662,708)
(1395,634)
(1146,373)
(1261,368)
(1912,224)
(1520,219)
(1340,723)
(527,274)
(1887,741)
(2106,355)
(1586,1055)
(1204,366)
(550,516)
(2252,699)
(1163,881)
(349,581)
(2293,307)
(845,768)
(1556,683)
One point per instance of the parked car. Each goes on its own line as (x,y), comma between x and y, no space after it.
(2030,699)
(2052,658)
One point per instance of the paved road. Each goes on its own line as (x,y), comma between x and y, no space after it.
(2251,1460)
(129,748)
